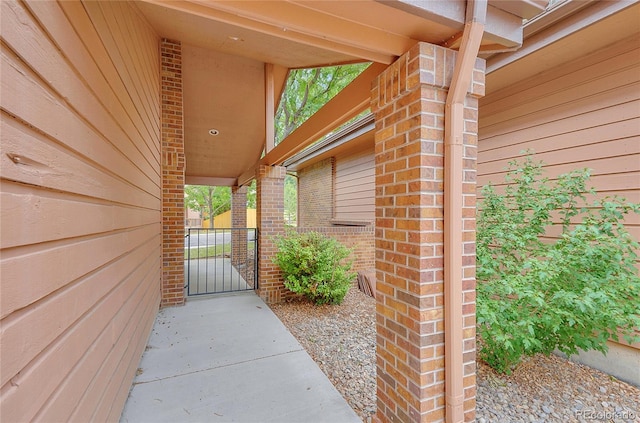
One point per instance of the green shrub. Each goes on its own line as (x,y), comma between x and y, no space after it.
(315,266)
(535,295)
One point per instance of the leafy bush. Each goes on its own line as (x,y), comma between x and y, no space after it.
(314,265)
(539,294)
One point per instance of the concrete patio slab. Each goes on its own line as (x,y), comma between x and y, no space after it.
(229,359)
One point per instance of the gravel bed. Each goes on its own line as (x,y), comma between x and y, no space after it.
(342,339)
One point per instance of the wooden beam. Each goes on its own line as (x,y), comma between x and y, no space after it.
(212,181)
(353,99)
(269,107)
(280,75)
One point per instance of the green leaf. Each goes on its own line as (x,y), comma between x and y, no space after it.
(573,291)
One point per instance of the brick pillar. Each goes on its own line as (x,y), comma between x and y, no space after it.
(408,100)
(238,221)
(270,220)
(173,163)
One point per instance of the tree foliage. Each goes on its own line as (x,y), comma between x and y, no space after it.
(290,199)
(307,90)
(536,294)
(251,195)
(209,201)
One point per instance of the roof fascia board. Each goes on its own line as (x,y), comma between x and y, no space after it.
(585,17)
(501,27)
(526,9)
(450,13)
(354,130)
(555,14)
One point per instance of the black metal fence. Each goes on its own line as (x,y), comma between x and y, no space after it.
(221,260)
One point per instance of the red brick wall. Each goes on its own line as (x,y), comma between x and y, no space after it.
(315,194)
(408,100)
(173,164)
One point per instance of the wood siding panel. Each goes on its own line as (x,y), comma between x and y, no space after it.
(76,348)
(53,68)
(78,255)
(355,187)
(51,116)
(49,214)
(584,114)
(81,206)
(62,166)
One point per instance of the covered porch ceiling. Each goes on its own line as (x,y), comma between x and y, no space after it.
(237,54)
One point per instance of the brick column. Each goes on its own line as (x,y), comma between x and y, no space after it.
(270,221)
(408,100)
(239,221)
(173,163)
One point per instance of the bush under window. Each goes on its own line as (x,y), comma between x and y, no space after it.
(315,266)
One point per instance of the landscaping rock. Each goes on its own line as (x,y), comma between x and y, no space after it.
(342,340)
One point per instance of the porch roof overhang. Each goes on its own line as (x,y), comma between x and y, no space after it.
(566,32)
(237,54)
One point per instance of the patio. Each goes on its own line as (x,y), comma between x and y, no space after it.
(228,358)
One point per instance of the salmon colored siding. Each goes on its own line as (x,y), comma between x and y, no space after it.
(355,186)
(81,206)
(584,114)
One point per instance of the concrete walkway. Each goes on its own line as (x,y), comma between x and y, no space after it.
(214,275)
(229,359)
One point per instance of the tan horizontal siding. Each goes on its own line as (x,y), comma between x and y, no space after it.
(48,214)
(584,114)
(31,262)
(359,198)
(64,164)
(355,186)
(121,355)
(620,184)
(610,161)
(75,355)
(69,103)
(81,206)
(356,181)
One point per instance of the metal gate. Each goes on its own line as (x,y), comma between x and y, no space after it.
(221,260)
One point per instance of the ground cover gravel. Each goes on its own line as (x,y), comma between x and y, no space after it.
(342,339)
